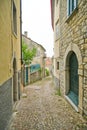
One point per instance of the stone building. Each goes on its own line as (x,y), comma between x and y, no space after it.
(55,59)
(40,52)
(48,62)
(10,58)
(69,21)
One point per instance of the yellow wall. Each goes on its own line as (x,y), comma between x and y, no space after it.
(8,42)
(5,40)
(16,38)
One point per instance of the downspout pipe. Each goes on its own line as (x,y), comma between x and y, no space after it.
(21,43)
(21,28)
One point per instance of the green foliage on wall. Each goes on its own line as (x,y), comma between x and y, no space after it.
(27,54)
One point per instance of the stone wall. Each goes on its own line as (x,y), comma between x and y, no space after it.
(56,82)
(5,104)
(73,31)
(35,76)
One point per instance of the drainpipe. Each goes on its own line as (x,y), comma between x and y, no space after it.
(21,43)
(21,28)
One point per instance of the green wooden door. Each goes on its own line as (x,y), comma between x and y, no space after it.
(26,75)
(74,87)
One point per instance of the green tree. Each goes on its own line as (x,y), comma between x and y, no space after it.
(27,54)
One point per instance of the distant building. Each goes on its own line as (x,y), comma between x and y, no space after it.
(10,58)
(55,24)
(40,53)
(69,21)
(48,63)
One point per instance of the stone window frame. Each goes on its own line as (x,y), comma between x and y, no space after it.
(14,17)
(71,6)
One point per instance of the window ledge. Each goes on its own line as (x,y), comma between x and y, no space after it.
(15,34)
(72,14)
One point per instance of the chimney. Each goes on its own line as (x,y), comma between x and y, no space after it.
(26,33)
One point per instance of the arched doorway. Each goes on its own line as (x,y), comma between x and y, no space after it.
(73,92)
(14,80)
(73,53)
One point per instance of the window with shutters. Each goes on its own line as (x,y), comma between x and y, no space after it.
(71,6)
(14,19)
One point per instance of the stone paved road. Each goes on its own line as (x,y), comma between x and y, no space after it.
(42,109)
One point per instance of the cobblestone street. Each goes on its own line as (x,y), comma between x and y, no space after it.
(40,108)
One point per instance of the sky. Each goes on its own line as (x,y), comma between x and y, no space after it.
(36,20)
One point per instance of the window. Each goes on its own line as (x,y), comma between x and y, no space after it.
(38,53)
(57,29)
(57,65)
(56,2)
(14,19)
(71,5)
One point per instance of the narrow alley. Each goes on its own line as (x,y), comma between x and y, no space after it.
(41,108)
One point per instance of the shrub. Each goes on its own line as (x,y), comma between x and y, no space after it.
(47,72)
